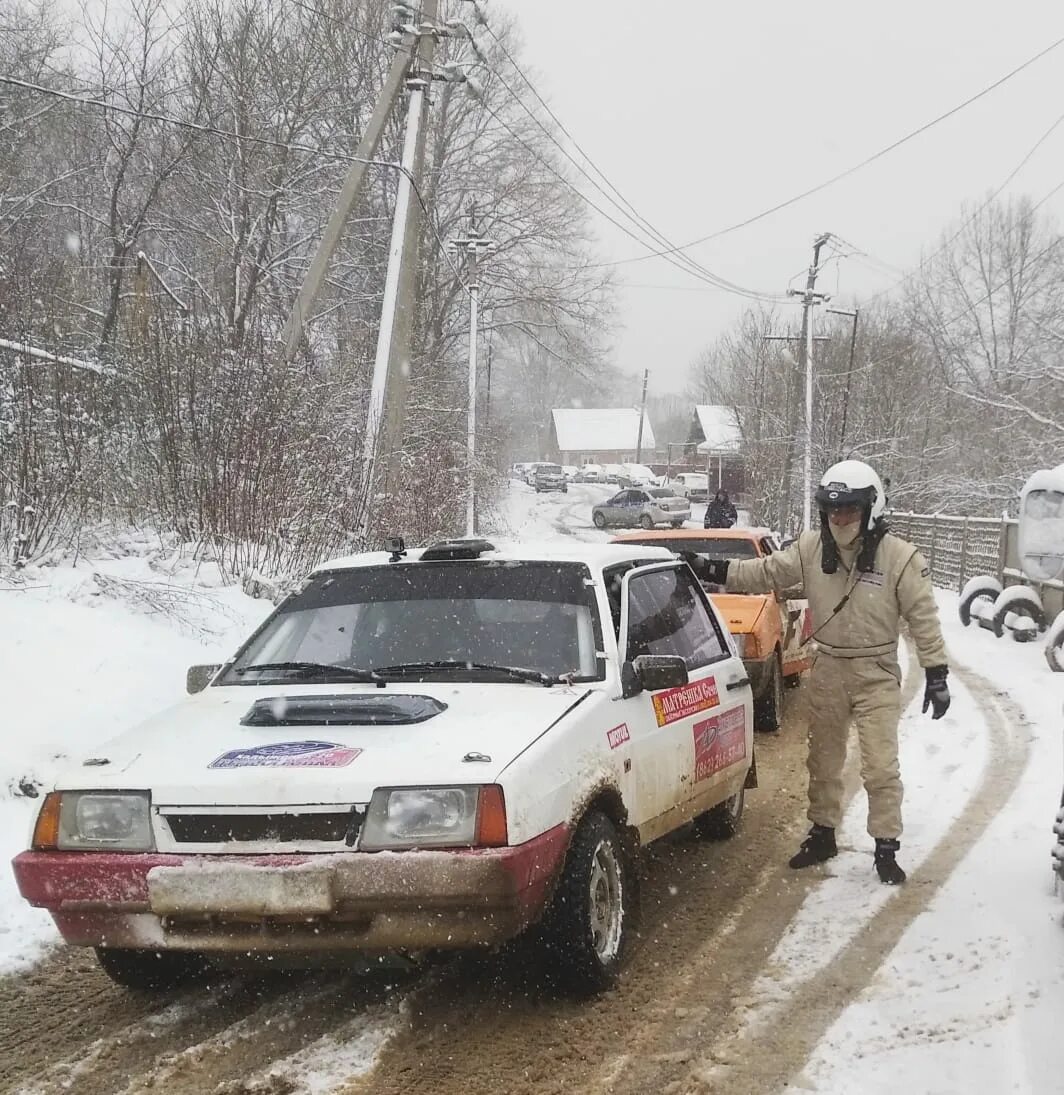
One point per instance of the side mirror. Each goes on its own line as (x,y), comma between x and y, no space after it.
(786,542)
(657,671)
(198,677)
(631,685)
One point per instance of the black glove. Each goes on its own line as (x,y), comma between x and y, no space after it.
(936,692)
(714,571)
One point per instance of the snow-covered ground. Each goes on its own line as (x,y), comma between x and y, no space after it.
(967,998)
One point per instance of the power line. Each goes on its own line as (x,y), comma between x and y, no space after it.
(971,219)
(620,202)
(856,167)
(598,209)
(215,131)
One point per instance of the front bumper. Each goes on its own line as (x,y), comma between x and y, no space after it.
(365,901)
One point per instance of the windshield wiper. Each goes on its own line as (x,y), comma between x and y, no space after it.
(317,669)
(514,672)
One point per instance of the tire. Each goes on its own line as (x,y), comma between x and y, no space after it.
(677,524)
(148,971)
(591,920)
(646,521)
(982,587)
(723,821)
(599,520)
(768,707)
(1027,604)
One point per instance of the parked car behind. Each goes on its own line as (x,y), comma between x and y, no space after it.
(692,485)
(549,477)
(640,475)
(772,634)
(422,750)
(641,507)
(591,473)
(570,471)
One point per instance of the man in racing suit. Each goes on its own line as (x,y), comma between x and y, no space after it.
(861,581)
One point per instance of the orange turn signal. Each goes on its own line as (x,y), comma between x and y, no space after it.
(46,831)
(491,817)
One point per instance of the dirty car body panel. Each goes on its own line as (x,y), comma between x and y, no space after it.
(398,757)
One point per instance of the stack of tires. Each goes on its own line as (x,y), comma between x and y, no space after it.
(1018,608)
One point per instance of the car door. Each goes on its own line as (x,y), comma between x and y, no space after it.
(635,506)
(612,509)
(692,744)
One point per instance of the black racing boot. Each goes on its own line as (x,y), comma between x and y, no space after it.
(886,865)
(817,847)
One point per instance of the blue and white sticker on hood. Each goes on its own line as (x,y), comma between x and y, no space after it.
(288,754)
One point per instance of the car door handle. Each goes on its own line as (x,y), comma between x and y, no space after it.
(742,682)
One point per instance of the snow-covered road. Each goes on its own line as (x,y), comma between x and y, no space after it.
(954,983)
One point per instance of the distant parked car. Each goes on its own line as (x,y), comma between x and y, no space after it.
(591,473)
(616,473)
(642,507)
(570,471)
(518,470)
(694,486)
(532,467)
(549,477)
(640,475)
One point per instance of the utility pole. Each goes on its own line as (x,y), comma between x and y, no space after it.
(391,366)
(810,298)
(472,246)
(334,230)
(642,415)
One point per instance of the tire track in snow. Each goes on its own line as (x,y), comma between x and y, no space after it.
(739,1059)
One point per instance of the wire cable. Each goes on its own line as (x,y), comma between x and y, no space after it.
(856,167)
(620,202)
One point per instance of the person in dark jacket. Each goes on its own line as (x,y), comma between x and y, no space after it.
(720,513)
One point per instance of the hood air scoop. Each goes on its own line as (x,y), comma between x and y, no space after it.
(348,710)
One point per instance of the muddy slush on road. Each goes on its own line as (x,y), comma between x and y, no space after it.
(712,916)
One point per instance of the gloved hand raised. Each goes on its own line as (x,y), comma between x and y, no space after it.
(714,571)
(936,691)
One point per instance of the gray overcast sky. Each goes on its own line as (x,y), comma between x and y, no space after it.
(704,113)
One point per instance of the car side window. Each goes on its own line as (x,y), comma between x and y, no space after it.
(638,497)
(767,546)
(667,615)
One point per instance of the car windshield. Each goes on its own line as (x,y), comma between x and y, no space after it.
(549,469)
(716,547)
(535,616)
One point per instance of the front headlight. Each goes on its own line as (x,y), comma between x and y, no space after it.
(117,821)
(434,817)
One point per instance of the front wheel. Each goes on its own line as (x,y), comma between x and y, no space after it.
(677,524)
(646,521)
(148,971)
(599,520)
(589,923)
(768,707)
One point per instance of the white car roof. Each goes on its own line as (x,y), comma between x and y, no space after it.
(596,556)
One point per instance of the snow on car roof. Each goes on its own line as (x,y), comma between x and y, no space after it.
(596,556)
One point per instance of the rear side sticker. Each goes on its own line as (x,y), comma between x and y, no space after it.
(719,742)
(678,703)
(618,735)
(288,754)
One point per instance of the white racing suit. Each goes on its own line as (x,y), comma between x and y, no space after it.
(855,679)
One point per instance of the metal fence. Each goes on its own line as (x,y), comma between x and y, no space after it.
(959,548)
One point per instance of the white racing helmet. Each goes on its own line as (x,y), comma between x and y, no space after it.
(852,483)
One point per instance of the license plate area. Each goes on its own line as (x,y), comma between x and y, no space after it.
(239,891)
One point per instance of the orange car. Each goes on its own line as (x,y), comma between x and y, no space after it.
(771,632)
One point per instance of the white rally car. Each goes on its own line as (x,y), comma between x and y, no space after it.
(433,749)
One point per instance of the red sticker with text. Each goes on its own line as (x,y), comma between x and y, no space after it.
(618,735)
(688,699)
(719,742)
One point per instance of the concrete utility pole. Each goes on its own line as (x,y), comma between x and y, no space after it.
(805,350)
(334,230)
(642,415)
(472,246)
(855,315)
(391,367)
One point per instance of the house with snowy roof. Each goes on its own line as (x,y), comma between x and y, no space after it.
(717,440)
(599,435)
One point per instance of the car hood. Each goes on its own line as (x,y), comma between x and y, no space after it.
(199,752)
(740,610)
